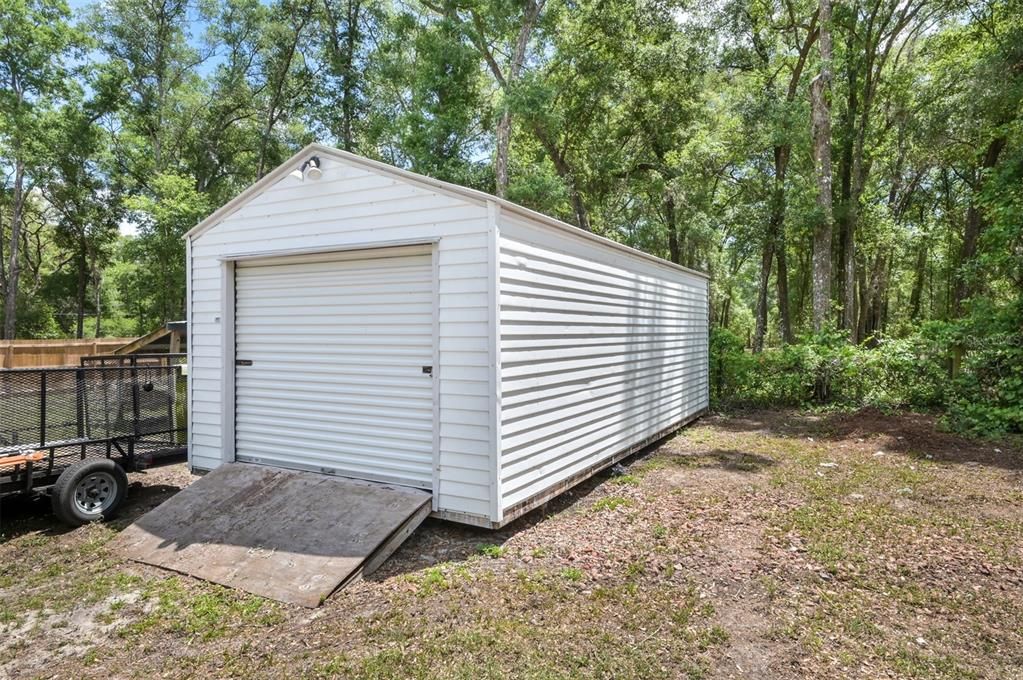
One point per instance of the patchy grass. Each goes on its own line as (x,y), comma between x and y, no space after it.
(768,544)
(613,503)
(490,550)
(572,574)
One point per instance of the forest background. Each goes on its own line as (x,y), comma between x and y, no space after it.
(850,174)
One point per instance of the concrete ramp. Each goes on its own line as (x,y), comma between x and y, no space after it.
(287,535)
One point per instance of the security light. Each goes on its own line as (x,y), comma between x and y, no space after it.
(311,168)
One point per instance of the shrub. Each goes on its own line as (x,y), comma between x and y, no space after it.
(985,396)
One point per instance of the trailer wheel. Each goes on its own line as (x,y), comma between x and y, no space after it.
(88,491)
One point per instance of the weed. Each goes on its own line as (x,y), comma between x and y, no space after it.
(612,503)
(490,550)
(635,569)
(572,574)
(433,580)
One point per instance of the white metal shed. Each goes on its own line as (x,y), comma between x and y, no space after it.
(378,324)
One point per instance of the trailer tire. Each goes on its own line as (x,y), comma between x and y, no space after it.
(89,491)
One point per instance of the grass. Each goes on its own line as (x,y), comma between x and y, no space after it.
(209,614)
(572,574)
(612,503)
(737,544)
(490,550)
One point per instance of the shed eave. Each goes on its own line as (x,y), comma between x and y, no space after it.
(473,196)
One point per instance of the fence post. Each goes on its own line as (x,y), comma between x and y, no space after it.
(42,409)
(134,401)
(80,406)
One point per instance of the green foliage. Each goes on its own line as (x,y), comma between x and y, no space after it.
(157,253)
(490,550)
(985,397)
(684,134)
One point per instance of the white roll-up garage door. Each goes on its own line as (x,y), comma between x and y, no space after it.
(332,355)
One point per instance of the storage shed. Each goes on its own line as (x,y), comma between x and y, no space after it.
(355,319)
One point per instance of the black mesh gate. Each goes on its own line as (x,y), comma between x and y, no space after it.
(131,407)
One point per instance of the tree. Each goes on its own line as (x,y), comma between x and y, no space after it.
(150,72)
(286,77)
(157,252)
(37,43)
(495,29)
(86,206)
(875,35)
(438,111)
(344,105)
(820,94)
(798,37)
(657,130)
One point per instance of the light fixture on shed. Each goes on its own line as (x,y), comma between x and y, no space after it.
(311,169)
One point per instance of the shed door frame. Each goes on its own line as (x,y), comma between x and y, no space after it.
(227,337)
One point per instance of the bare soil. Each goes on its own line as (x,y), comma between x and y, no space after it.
(760,545)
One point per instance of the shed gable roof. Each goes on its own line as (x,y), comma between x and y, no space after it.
(472,196)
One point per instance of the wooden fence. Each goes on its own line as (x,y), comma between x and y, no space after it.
(38,353)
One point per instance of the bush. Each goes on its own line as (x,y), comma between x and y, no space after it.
(985,396)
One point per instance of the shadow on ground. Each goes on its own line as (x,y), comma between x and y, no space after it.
(912,434)
(20,515)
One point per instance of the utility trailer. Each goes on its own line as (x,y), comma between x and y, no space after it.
(73,433)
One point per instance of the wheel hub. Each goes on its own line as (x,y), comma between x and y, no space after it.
(95,493)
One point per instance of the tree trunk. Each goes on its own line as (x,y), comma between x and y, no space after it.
(782,281)
(965,284)
(671,219)
(774,246)
(919,272)
(861,324)
(820,90)
(503,135)
(80,290)
(348,96)
(507,80)
(343,50)
(561,166)
(13,258)
(765,275)
(97,281)
(847,212)
(849,219)
(777,230)
(871,304)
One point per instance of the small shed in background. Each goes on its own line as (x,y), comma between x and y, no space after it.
(350,318)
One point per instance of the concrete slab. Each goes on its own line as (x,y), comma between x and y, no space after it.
(287,535)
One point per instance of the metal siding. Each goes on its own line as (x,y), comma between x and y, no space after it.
(350,206)
(599,351)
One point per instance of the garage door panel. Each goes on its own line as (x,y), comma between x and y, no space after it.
(351,419)
(336,383)
(334,394)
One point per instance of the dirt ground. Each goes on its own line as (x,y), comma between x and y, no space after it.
(758,545)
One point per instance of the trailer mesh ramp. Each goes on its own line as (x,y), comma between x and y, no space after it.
(287,535)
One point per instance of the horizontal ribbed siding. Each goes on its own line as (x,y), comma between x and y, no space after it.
(598,353)
(351,205)
(337,346)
